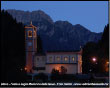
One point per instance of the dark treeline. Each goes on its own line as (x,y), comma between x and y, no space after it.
(12,48)
(98,50)
(39,45)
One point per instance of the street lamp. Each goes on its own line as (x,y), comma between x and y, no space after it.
(107,62)
(25,68)
(94,59)
(94,64)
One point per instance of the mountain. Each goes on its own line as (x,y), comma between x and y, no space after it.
(59,35)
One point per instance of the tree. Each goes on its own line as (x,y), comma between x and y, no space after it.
(54,74)
(63,70)
(54,71)
(39,44)
(103,51)
(104,43)
(89,51)
(12,48)
(99,50)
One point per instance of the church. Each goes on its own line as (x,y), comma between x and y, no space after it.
(45,63)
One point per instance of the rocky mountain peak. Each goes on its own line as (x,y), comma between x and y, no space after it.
(59,35)
(26,16)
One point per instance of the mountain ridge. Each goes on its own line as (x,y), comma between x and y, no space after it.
(59,35)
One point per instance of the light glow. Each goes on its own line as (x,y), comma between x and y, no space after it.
(73,58)
(94,59)
(25,69)
(66,58)
(107,62)
(58,58)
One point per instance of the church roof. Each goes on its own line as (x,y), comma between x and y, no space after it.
(30,26)
(65,52)
(59,52)
(40,54)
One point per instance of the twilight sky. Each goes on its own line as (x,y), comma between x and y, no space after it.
(91,14)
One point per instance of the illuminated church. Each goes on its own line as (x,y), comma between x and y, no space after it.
(45,63)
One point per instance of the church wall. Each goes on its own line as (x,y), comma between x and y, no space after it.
(79,64)
(29,62)
(39,71)
(72,63)
(71,68)
(54,58)
(39,61)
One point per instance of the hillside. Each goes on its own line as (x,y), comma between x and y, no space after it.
(59,35)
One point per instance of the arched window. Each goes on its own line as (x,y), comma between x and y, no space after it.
(29,33)
(58,58)
(65,58)
(72,58)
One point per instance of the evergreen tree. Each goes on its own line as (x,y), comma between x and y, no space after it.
(99,50)
(39,44)
(12,48)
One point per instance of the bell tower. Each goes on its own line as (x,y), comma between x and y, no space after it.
(30,46)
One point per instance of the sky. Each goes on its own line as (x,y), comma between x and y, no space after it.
(93,15)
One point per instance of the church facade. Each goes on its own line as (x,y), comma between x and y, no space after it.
(45,63)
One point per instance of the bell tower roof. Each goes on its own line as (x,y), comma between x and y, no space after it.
(30,26)
(31,22)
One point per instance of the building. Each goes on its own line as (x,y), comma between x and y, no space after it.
(30,46)
(45,63)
